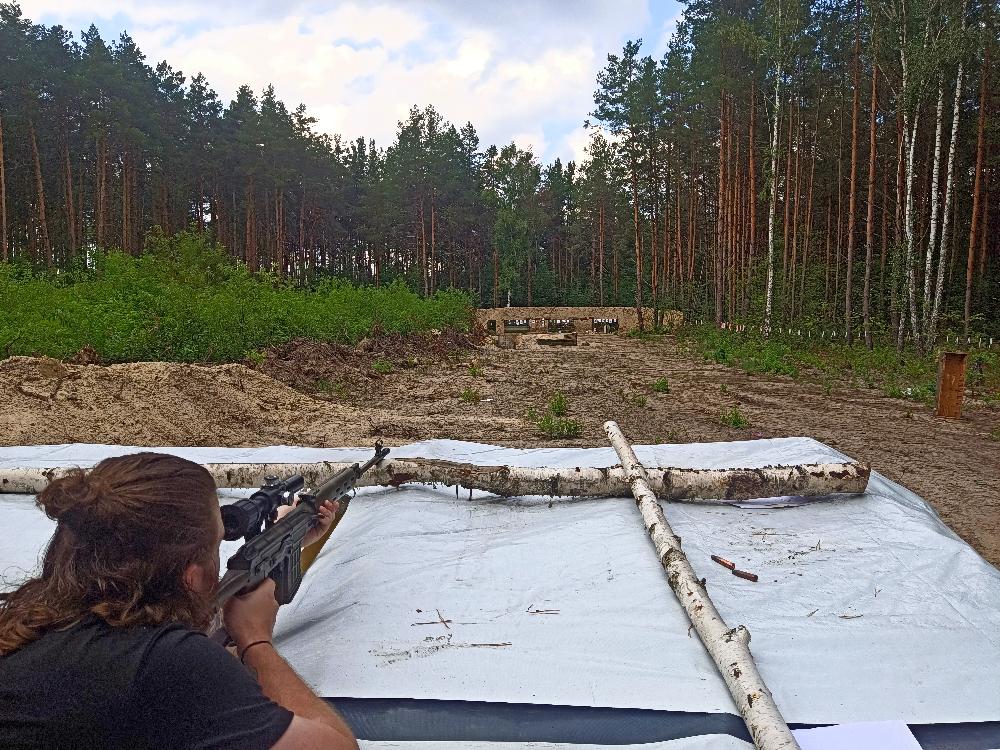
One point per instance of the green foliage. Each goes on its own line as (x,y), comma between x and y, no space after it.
(904,374)
(255,357)
(735,418)
(184,301)
(635,399)
(661,385)
(554,423)
(470,396)
(475,371)
(559,427)
(382,366)
(558,404)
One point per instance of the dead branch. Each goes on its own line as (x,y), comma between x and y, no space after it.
(670,483)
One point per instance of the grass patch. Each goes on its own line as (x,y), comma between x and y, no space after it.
(554,423)
(559,427)
(382,366)
(904,374)
(337,389)
(475,371)
(735,418)
(470,396)
(635,399)
(661,385)
(184,300)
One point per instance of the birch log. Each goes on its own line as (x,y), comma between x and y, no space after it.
(728,647)
(694,485)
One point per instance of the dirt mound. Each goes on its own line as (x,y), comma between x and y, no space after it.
(158,403)
(319,366)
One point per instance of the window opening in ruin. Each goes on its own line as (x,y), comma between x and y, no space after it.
(560,325)
(516,326)
(605,325)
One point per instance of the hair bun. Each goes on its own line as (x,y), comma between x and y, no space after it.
(73,498)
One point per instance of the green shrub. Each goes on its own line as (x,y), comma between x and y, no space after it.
(558,404)
(559,427)
(661,386)
(470,396)
(185,300)
(382,366)
(475,371)
(735,418)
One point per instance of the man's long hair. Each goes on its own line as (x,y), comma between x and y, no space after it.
(126,531)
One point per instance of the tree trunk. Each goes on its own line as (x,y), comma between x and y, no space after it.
(769,293)
(853,197)
(752,169)
(423,248)
(870,220)
(910,134)
(43,224)
(797,190)
(935,202)
(945,221)
(600,251)
(638,247)
(809,214)
(896,313)
(712,486)
(102,189)
(126,158)
(250,239)
(729,648)
(5,252)
(70,202)
(976,193)
(787,207)
(432,270)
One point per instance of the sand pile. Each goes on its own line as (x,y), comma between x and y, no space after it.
(163,403)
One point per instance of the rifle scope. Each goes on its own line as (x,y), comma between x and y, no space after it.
(245,517)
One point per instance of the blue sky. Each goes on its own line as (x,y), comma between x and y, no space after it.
(519,70)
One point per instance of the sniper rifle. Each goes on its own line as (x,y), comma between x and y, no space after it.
(273,546)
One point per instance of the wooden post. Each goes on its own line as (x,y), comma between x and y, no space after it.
(951,384)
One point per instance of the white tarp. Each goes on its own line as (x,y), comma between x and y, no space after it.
(867,608)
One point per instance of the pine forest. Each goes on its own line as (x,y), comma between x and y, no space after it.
(832,164)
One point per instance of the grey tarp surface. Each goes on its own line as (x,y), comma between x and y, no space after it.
(868,608)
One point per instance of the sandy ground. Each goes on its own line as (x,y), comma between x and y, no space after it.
(322,395)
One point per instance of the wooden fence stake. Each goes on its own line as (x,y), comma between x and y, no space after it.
(951,384)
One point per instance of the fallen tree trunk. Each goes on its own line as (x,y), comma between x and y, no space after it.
(728,647)
(700,485)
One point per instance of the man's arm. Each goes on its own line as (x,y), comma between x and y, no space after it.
(250,618)
(279,682)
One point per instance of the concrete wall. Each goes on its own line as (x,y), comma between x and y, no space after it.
(582,317)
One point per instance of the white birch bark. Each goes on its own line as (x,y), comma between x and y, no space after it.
(774,185)
(728,647)
(690,485)
(935,200)
(910,132)
(948,189)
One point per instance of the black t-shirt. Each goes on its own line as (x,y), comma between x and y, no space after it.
(95,686)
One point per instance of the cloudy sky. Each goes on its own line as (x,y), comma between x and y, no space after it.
(519,70)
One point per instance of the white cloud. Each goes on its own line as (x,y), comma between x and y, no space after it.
(666,33)
(517,70)
(576,144)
